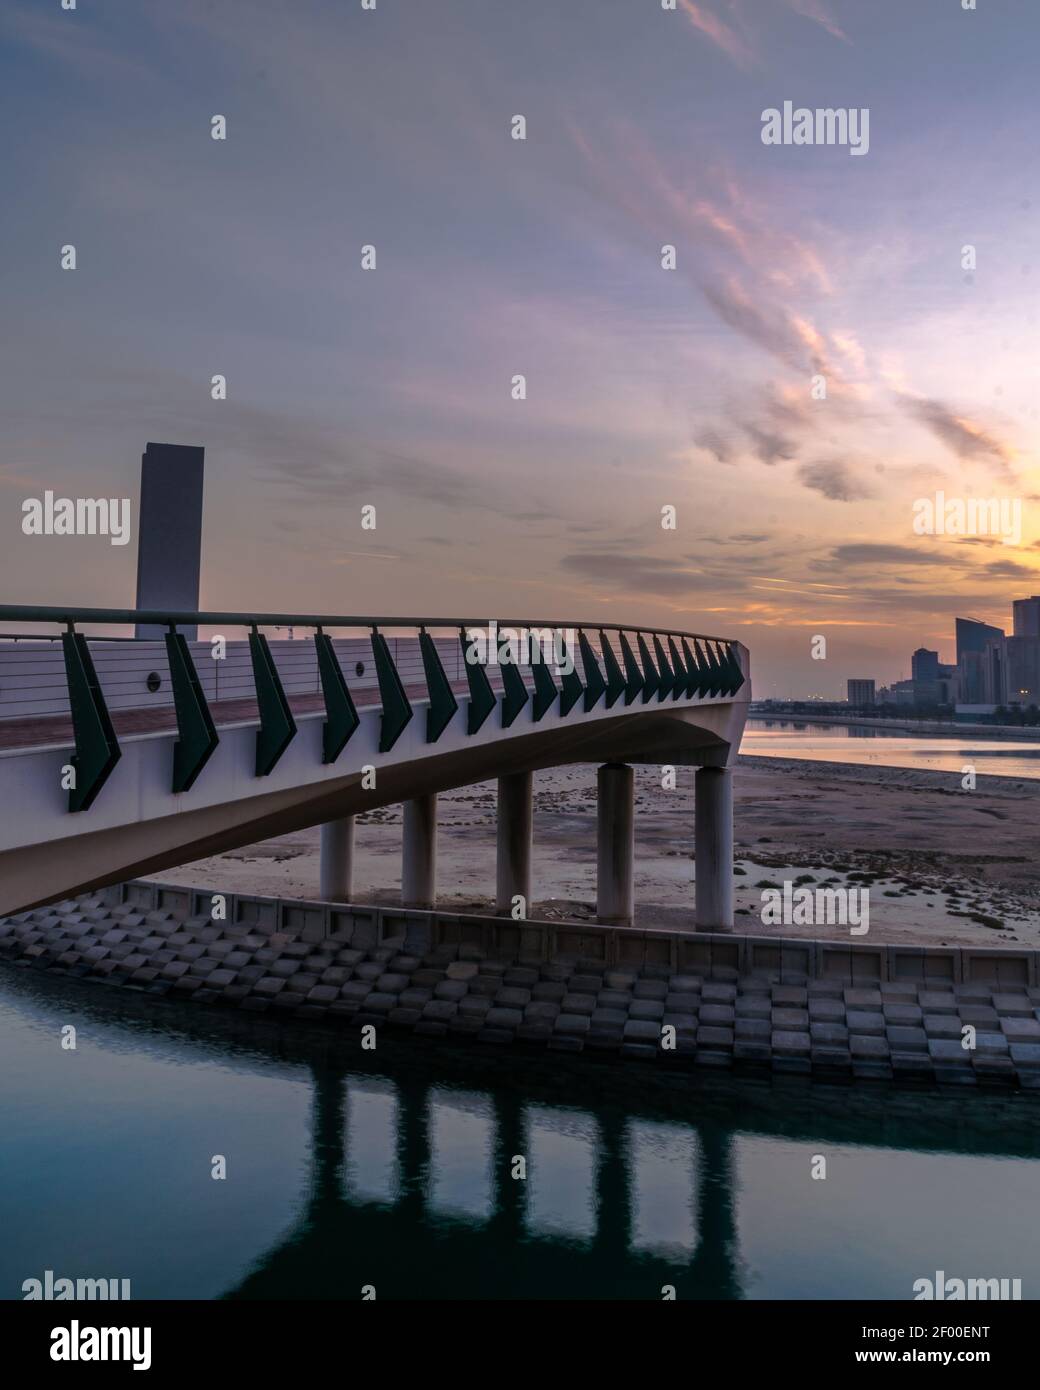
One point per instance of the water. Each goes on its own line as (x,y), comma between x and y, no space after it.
(863,744)
(394,1171)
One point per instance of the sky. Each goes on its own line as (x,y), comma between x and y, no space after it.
(695,388)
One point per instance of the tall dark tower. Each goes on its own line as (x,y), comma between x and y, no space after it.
(924,665)
(169,549)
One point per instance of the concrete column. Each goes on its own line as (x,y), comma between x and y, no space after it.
(515,827)
(419,852)
(337,861)
(615,899)
(713,848)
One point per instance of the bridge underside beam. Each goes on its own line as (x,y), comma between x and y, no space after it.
(33,874)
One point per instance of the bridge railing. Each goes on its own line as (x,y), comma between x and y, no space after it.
(506,664)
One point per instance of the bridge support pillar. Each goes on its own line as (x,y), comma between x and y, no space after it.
(713,848)
(419,852)
(337,861)
(615,897)
(515,828)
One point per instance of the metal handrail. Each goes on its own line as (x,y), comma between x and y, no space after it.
(705,672)
(56,637)
(160,617)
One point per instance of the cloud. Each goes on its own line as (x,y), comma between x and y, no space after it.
(644,574)
(319,473)
(769,446)
(962,436)
(834,479)
(715,443)
(817,11)
(1010,569)
(850,348)
(739,47)
(736,309)
(790,337)
(876,553)
(732,44)
(712,215)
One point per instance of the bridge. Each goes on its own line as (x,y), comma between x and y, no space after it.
(121,756)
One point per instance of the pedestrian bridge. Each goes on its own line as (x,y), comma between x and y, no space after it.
(122,756)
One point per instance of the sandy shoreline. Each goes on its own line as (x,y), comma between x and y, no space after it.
(942,865)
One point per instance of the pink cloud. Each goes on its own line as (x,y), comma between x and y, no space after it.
(819,14)
(720,33)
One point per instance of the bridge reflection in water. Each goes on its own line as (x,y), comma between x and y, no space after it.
(400,1170)
(393,1168)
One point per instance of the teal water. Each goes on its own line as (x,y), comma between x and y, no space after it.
(347,1169)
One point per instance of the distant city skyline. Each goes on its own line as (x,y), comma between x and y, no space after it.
(991,666)
(646,387)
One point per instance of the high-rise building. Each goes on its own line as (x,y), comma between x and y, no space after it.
(861,693)
(169,546)
(924,665)
(970,682)
(972,635)
(980,663)
(1023,671)
(1026,619)
(994,671)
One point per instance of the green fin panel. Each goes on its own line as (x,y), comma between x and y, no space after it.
(717,679)
(97,750)
(572,690)
(397,712)
(692,673)
(704,680)
(595,685)
(341,717)
(725,671)
(443,703)
(196,735)
(545,691)
(667,679)
(725,674)
(633,675)
(731,675)
(651,680)
(681,679)
(277,726)
(738,674)
(481,696)
(615,680)
(516,693)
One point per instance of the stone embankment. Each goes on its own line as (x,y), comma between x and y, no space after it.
(634,995)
